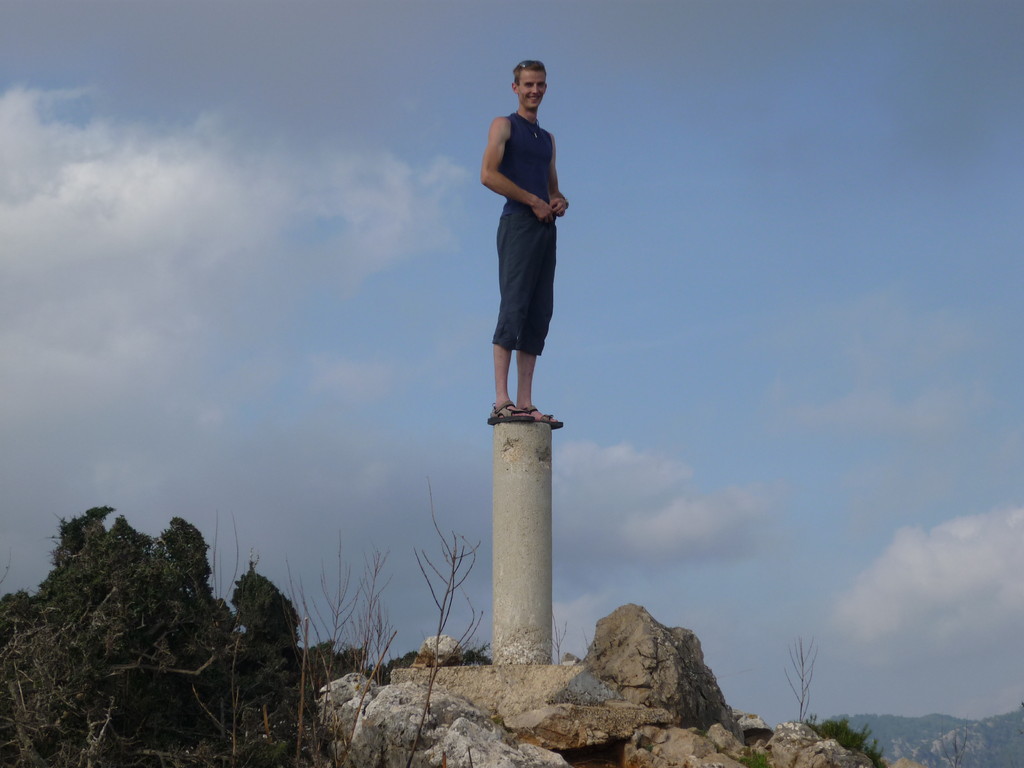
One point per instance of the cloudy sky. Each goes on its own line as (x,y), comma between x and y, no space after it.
(247,277)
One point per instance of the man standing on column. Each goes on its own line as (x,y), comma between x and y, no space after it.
(519,164)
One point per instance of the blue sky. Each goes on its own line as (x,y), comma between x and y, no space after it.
(247,277)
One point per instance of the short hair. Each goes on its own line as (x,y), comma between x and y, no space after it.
(533,64)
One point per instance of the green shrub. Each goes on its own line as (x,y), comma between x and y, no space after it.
(125,657)
(756,760)
(840,730)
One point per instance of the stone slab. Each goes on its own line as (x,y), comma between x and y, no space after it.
(510,690)
(571,726)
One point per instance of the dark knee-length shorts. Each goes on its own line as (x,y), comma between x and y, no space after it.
(526,278)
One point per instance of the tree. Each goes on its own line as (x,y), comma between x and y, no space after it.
(125,657)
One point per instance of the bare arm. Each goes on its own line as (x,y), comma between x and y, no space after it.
(498,182)
(558,202)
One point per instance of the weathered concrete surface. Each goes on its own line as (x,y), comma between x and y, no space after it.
(521,632)
(508,691)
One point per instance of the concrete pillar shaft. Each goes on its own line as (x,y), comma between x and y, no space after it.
(522,544)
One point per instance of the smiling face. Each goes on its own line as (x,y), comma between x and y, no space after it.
(530,88)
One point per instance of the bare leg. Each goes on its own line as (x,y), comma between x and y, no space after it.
(502,363)
(525,365)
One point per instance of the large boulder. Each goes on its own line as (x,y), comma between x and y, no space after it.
(796,745)
(654,666)
(377,727)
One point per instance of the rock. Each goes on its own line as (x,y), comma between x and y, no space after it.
(336,693)
(675,748)
(717,761)
(570,727)
(754,729)
(675,744)
(445,649)
(724,741)
(455,733)
(904,762)
(796,745)
(654,666)
(507,691)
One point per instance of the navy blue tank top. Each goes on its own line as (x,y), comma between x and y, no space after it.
(527,161)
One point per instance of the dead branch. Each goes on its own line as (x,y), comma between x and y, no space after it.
(459,557)
(117,668)
(802,658)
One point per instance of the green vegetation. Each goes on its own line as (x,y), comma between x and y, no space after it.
(755,760)
(124,656)
(840,730)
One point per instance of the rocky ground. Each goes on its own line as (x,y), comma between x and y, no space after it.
(643,698)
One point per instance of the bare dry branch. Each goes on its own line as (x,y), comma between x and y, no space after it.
(802,658)
(458,557)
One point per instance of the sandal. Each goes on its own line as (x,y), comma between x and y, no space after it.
(507,411)
(545,418)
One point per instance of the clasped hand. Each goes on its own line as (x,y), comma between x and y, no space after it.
(547,212)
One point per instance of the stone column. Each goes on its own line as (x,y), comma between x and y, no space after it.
(522,544)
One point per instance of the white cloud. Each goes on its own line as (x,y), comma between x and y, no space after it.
(152,279)
(105,192)
(376,209)
(962,579)
(643,506)
(130,255)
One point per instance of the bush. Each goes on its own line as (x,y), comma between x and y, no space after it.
(125,657)
(840,730)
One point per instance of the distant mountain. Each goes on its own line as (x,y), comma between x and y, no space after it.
(941,741)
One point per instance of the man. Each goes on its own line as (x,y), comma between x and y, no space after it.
(519,164)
